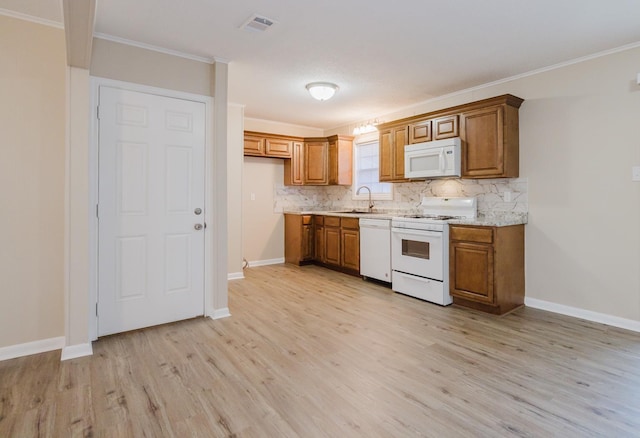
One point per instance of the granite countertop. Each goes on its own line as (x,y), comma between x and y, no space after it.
(497,219)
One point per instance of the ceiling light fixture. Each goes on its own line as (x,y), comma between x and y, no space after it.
(365,128)
(322,90)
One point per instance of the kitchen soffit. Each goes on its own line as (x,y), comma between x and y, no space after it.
(384,56)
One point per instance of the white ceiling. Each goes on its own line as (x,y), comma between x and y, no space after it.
(384,55)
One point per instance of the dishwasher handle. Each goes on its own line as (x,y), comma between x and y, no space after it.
(378,224)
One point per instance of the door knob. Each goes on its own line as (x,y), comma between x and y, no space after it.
(198,227)
(198,211)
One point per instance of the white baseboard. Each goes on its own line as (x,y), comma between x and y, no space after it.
(219,313)
(30,348)
(78,350)
(602,318)
(266,262)
(235,276)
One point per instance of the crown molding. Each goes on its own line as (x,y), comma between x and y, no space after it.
(115,39)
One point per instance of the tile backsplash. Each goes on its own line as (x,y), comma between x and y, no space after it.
(407,196)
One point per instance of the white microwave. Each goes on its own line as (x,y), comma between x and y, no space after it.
(432,159)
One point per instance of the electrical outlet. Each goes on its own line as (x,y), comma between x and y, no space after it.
(635,173)
(253,196)
(507,196)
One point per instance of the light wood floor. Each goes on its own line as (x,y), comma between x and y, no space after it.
(313,353)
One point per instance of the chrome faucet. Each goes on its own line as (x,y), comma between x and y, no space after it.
(370,203)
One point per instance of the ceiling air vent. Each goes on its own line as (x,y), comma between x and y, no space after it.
(257,23)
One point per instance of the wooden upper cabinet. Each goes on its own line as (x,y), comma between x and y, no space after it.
(260,144)
(315,163)
(490,142)
(277,147)
(392,142)
(446,127)
(434,129)
(253,145)
(400,141)
(488,130)
(340,160)
(420,132)
(293,168)
(320,162)
(385,155)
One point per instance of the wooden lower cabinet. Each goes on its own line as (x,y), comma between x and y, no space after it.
(350,249)
(298,238)
(486,267)
(319,239)
(331,242)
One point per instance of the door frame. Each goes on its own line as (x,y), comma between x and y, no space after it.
(209,193)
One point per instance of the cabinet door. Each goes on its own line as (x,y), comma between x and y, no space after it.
(279,148)
(253,146)
(292,238)
(386,155)
(293,168)
(319,244)
(350,247)
(420,132)
(482,135)
(340,160)
(399,142)
(332,245)
(471,271)
(333,162)
(445,127)
(315,163)
(307,242)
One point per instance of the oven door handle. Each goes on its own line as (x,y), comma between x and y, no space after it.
(417,232)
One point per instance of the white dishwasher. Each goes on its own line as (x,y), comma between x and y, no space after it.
(375,248)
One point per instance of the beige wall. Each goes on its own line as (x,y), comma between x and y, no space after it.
(579,137)
(121,62)
(32,129)
(262,229)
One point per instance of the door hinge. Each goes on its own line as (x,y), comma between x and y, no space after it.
(97,211)
(98,112)
(96,309)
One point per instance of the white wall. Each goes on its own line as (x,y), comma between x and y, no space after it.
(32,129)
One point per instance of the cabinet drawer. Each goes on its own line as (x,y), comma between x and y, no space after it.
(350,222)
(331,221)
(319,220)
(472,234)
(307,219)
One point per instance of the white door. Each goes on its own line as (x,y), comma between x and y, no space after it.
(151,210)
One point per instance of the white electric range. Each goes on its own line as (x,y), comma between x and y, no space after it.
(420,248)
